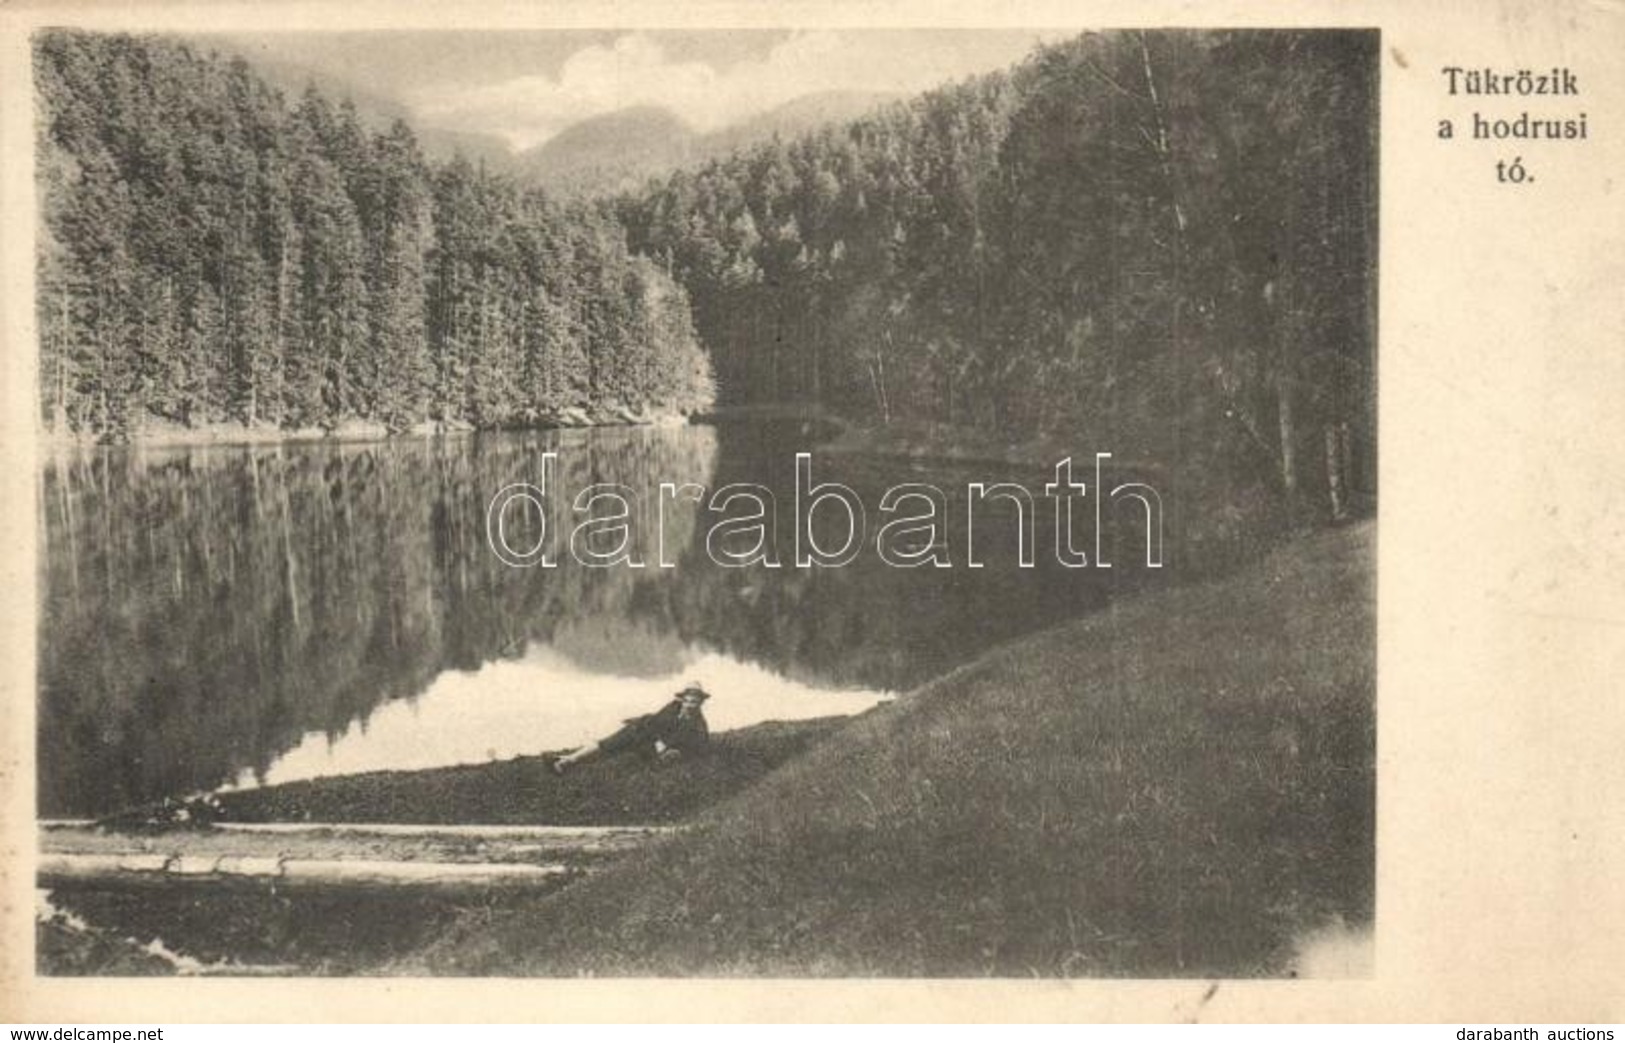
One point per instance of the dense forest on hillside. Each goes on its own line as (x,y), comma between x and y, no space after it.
(1160,244)
(209,252)
(1156,244)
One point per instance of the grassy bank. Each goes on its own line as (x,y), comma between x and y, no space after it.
(255,927)
(616,791)
(1181,785)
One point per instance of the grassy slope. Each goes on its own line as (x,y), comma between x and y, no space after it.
(1179,786)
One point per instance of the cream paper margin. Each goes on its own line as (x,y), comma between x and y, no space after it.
(1501,575)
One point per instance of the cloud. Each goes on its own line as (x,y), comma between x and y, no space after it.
(635,69)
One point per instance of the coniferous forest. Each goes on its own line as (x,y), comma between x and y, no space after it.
(211,252)
(1158,244)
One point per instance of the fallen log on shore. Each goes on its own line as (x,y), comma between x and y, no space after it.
(329,855)
(564,835)
(119,871)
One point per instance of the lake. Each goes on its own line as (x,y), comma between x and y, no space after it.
(239,616)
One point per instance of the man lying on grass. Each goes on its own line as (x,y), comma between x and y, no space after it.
(675,729)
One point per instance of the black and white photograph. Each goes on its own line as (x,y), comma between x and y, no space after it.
(854,503)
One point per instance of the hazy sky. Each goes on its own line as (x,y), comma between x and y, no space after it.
(527,86)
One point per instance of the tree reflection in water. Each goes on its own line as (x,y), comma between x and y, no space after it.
(205,610)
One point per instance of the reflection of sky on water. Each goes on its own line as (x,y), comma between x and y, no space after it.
(545,701)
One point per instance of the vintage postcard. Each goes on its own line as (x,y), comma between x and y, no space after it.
(902,503)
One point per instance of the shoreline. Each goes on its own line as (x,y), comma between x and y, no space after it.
(945,445)
(919,443)
(171,904)
(519,791)
(235,435)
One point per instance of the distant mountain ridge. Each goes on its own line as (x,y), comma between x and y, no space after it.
(621,150)
(798,116)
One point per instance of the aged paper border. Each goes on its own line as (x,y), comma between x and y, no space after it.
(1501,578)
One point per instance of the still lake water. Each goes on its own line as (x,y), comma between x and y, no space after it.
(239,616)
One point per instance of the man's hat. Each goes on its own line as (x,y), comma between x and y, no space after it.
(694,690)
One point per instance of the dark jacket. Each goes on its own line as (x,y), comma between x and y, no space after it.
(690,735)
